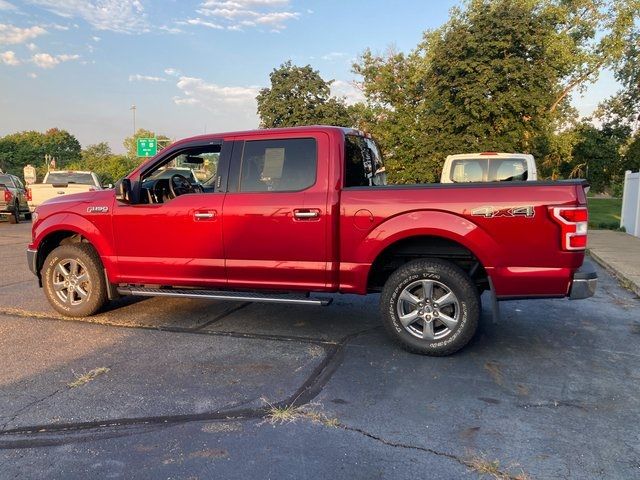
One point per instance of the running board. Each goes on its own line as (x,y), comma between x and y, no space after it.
(223,295)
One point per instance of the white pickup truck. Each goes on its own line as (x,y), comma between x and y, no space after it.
(62,182)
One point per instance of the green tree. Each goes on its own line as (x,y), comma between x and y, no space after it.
(300,96)
(62,145)
(623,108)
(497,76)
(130,143)
(597,155)
(98,158)
(30,147)
(632,154)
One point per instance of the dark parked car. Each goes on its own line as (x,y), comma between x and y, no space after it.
(13,198)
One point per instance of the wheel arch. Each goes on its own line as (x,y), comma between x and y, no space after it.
(428,234)
(57,230)
(415,247)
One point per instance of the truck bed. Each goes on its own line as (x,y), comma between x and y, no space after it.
(506,226)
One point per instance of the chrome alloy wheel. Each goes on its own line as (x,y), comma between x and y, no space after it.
(71,281)
(428,309)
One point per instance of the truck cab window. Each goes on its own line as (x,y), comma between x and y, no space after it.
(287,165)
(363,163)
(191,171)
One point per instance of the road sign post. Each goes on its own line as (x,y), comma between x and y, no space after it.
(147,147)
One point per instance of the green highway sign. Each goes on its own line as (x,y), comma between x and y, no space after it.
(147,147)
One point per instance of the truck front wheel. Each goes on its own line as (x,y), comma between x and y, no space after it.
(73,280)
(430,307)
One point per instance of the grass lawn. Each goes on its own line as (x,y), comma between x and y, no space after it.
(604,212)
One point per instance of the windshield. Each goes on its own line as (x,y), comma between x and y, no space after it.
(363,163)
(70,177)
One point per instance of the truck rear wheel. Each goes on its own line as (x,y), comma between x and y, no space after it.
(15,216)
(430,307)
(73,280)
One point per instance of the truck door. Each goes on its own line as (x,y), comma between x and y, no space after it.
(175,240)
(276,222)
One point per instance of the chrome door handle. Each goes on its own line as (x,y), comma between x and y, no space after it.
(304,214)
(204,214)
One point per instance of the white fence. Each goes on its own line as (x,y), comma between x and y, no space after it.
(630,217)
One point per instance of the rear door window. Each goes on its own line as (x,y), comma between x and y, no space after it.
(286,165)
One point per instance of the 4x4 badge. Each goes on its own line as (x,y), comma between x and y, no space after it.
(493,212)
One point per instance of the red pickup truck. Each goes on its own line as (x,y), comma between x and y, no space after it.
(286,212)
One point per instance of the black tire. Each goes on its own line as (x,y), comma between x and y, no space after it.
(68,301)
(15,217)
(444,277)
(27,216)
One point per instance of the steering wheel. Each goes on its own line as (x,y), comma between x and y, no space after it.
(179,185)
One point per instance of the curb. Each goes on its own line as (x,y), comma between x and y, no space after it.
(624,281)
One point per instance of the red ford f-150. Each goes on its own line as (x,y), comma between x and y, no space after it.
(286,212)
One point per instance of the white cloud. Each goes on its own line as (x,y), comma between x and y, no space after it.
(276,18)
(95,38)
(333,56)
(10,34)
(9,58)
(57,26)
(174,72)
(216,98)
(46,60)
(236,14)
(145,78)
(348,90)
(4,5)
(32,47)
(124,16)
(185,100)
(202,23)
(32,75)
(172,30)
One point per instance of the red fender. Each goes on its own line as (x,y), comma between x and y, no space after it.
(78,224)
(355,274)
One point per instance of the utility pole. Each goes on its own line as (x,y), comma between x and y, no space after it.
(133,109)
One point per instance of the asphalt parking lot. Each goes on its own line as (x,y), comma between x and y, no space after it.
(169,388)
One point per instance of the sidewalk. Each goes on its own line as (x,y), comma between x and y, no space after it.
(619,253)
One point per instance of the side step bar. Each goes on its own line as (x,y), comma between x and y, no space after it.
(224,295)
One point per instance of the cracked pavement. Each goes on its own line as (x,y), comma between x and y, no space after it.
(550,391)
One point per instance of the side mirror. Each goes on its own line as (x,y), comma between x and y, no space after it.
(107,185)
(123,190)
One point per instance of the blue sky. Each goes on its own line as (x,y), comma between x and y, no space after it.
(188,66)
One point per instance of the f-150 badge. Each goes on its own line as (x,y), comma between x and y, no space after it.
(97,209)
(493,212)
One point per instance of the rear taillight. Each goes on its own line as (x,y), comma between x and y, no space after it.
(8,196)
(573,224)
(29,197)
